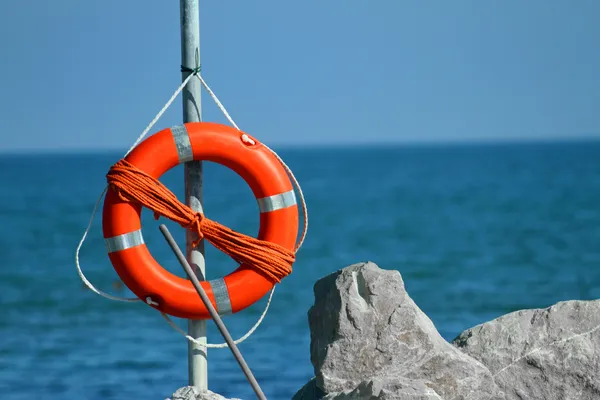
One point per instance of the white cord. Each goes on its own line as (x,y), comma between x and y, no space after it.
(149,300)
(222,345)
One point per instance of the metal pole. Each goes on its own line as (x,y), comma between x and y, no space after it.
(192,112)
(213,313)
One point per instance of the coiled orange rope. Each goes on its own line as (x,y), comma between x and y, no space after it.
(134,185)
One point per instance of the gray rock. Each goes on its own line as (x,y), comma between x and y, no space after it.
(369,340)
(310,391)
(392,389)
(193,393)
(388,389)
(545,354)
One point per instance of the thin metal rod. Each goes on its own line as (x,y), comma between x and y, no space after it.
(213,313)
(192,112)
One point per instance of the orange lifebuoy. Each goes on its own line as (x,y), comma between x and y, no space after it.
(162,151)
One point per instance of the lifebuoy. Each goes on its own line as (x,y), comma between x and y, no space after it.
(162,151)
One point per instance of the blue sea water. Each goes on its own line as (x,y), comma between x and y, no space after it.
(477,231)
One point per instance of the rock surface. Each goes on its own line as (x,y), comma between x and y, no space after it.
(192,393)
(550,353)
(369,340)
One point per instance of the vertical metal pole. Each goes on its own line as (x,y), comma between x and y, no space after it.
(192,112)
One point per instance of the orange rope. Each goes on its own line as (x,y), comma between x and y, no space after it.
(134,185)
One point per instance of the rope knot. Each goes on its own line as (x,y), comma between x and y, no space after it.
(196,225)
(194,71)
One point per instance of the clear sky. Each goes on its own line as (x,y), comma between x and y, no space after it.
(91,74)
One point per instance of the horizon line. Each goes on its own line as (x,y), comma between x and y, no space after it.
(334,145)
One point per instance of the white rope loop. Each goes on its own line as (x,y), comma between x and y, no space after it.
(222,345)
(246,139)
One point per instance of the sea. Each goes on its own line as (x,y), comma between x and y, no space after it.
(476,230)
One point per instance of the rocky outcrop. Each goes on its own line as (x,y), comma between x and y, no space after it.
(551,353)
(193,393)
(369,340)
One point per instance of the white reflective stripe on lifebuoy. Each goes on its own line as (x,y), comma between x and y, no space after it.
(219,288)
(182,142)
(124,241)
(277,201)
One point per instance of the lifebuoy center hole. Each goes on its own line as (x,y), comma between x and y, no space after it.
(227,199)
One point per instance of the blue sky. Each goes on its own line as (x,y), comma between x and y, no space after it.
(82,74)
